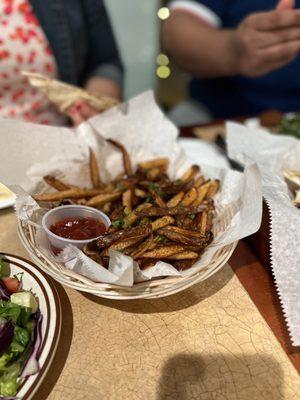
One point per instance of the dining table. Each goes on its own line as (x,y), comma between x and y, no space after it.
(223,338)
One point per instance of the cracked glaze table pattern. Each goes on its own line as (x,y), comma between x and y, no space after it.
(208,342)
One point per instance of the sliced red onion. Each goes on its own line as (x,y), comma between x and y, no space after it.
(10,398)
(4,293)
(32,366)
(6,335)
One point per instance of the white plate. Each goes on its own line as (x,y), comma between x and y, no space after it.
(8,202)
(42,286)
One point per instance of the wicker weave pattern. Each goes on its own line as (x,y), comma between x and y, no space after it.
(143,290)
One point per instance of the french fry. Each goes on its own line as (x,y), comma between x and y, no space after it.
(94,171)
(173,188)
(138,232)
(140,193)
(81,202)
(185,255)
(180,210)
(161,163)
(106,208)
(158,200)
(189,174)
(164,251)
(103,198)
(153,174)
(127,201)
(55,183)
(199,181)
(162,222)
(184,232)
(175,200)
(182,265)
(203,223)
(67,194)
(146,263)
(93,254)
(189,197)
(117,212)
(142,248)
(213,188)
(126,158)
(209,222)
(119,177)
(182,239)
(202,193)
(131,218)
(123,244)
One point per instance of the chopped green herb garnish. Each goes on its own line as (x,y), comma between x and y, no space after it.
(120,186)
(153,186)
(192,216)
(145,221)
(149,199)
(119,223)
(161,194)
(161,239)
(290,125)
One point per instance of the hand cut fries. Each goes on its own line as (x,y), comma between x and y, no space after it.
(153,218)
(95,177)
(126,158)
(292,178)
(67,194)
(55,183)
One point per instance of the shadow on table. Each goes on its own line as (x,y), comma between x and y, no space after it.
(175,302)
(63,347)
(6,211)
(220,376)
(253,275)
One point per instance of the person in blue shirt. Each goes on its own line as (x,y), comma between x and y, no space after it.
(243,55)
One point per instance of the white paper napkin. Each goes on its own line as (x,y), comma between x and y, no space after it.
(273,153)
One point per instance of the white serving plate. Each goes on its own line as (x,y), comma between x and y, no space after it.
(43,288)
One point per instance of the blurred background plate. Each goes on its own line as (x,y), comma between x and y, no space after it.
(7,198)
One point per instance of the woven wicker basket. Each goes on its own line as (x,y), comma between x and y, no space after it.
(144,290)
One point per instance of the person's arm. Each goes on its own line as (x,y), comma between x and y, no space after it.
(196,47)
(262,43)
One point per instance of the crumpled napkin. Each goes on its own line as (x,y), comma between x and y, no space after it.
(274,153)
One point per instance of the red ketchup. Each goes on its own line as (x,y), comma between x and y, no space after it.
(77,228)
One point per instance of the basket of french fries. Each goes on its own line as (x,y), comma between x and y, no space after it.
(173,223)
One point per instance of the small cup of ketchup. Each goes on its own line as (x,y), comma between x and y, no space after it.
(74,224)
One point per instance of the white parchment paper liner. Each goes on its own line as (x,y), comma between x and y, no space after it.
(274,153)
(147,133)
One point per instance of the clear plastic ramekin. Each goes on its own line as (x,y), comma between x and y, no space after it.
(71,211)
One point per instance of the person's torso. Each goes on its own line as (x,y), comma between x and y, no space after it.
(279,89)
(64,24)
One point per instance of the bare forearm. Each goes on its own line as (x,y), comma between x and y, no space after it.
(197,48)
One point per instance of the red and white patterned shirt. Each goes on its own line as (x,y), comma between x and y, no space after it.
(24,47)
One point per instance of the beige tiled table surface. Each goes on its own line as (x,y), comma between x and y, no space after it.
(206,343)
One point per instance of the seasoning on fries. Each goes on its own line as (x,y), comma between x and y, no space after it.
(153,218)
